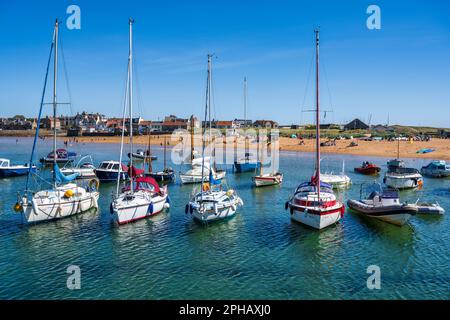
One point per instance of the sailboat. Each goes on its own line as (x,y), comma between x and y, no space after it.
(337,181)
(213,202)
(248,162)
(313,202)
(267,179)
(167,174)
(64,198)
(141,197)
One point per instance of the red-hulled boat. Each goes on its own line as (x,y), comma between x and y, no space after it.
(368,168)
(314,202)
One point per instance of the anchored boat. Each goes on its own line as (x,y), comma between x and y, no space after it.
(62,157)
(267,179)
(141,197)
(403,178)
(8,170)
(213,202)
(384,204)
(314,203)
(436,169)
(85,168)
(64,198)
(111,170)
(368,168)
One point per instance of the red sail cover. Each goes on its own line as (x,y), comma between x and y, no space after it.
(141,183)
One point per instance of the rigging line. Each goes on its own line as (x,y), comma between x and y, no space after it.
(36,135)
(307,84)
(65,75)
(137,86)
(327,84)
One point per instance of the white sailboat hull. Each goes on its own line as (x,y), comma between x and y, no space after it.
(51,205)
(197,178)
(314,220)
(143,205)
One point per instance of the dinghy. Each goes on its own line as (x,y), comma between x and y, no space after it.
(384,204)
(213,202)
(8,170)
(314,203)
(141,197)
(368,168)
(142,155)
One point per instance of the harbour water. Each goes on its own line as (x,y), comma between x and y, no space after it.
(259,254)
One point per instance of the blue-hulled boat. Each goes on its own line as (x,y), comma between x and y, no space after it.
(109,170)
(246,164)
(8,170)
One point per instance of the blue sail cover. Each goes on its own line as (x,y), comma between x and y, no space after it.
(211,179)
(61,178)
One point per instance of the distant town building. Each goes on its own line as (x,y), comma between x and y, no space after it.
(49,123)
(222,124)
(240,123)
(356,125)
(269,124)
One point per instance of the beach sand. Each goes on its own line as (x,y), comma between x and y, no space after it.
(365,148)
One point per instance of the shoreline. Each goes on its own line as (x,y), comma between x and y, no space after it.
(386,149)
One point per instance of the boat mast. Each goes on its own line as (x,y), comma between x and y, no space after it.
(130,75)
(246,146)
(55,74)
(204,123)
(165,146)
(149,157)
(317,118)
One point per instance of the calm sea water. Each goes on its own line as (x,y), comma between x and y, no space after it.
(259,254)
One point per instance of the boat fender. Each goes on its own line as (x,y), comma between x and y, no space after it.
(17,207)
(35,207)
(292,210)
(191,209)
(69,193)
(94,201)
(150,208)
(186,209)
(111,210)
(286,205)
(166,205)
(342,211)
(93,184)
(168,200)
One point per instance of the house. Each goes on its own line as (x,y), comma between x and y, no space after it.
(49,123)
(222,124)
(241,123)
(269,124)
(356,124)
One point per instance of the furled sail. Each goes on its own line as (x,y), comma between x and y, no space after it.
(61,178)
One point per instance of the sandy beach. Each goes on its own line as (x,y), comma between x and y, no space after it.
(370,148)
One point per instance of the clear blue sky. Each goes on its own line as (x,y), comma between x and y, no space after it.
(402,70)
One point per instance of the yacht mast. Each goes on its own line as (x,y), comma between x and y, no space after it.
(317,118)
(208,81)
(130,75)
(55,74)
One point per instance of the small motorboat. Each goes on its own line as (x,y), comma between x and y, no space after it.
(108,171)
(436,169)
(142,155)
(268,179)
(85,168)
(429,208)
(403,178)
(337,181)
(384,204)
(368,168)
(62,157)
(8,170)
(194,175)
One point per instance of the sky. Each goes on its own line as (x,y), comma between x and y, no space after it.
(400,72)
